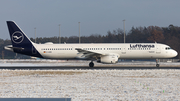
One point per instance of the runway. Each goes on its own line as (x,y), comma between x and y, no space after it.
(83,68)
(82,65)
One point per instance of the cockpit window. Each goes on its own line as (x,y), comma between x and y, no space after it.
(168,48)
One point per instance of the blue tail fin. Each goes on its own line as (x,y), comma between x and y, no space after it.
(20,42)
(18,38)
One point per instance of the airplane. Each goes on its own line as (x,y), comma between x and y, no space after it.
(107,53)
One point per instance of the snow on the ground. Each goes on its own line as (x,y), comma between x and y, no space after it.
(95,85)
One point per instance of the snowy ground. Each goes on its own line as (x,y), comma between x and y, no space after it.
(92,85)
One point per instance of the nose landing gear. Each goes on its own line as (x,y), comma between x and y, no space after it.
(157,64)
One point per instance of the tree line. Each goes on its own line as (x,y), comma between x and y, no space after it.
(167,35)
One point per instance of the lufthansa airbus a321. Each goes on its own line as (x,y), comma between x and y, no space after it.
(101,52)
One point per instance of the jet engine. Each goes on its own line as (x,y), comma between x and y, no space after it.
(110,58)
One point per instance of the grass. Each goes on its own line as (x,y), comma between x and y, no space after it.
(38,72)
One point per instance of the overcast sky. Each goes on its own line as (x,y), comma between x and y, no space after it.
(96,16)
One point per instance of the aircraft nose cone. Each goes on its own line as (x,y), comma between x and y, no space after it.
(175,53)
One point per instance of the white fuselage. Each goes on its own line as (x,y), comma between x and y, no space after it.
(101,52)
(125,51)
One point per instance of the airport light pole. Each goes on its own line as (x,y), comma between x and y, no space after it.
(35,34)
(124,32)
(79,33)
(59,34)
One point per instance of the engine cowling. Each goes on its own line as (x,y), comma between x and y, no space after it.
(111,58)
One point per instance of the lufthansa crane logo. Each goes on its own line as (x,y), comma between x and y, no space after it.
(17,37)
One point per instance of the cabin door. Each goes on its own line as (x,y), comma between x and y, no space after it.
(158,49)
(123,50)
(33,50)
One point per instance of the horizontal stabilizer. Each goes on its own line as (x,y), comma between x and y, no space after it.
(10,48)
(17,48)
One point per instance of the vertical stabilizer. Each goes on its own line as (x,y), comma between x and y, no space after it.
(20,42)
(18,38)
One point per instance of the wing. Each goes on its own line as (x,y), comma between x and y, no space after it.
(89,54)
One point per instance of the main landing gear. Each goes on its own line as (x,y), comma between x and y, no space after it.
(91,64)
(157,64)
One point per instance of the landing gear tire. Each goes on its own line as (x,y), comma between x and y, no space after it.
(157,65)
(91,64)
